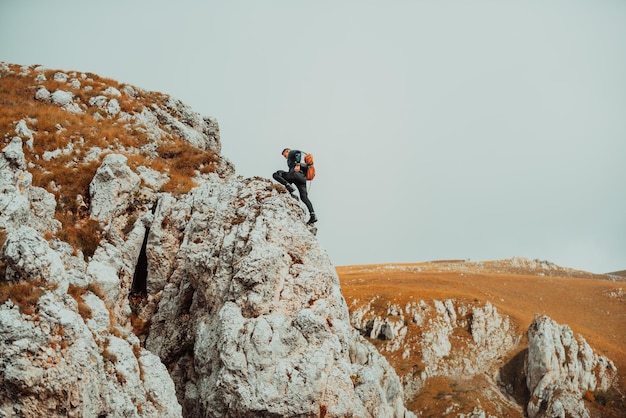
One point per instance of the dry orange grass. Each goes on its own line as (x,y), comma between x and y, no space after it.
(186,159)
(68,175)
(25,295)
(15,100)
(77,293)
(181,161)
(582,302)
(55,128)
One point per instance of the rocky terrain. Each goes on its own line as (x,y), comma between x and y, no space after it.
(475,339)
(140,277)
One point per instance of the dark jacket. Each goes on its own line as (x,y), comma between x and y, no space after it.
(294,158)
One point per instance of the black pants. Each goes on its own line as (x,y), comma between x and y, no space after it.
(285,178)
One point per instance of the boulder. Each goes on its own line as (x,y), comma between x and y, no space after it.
(14,184)
(112,187)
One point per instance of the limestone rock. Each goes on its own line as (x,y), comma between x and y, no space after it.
(74,83)
(111,187)
(99,101)
(42,94)
(251,321)
(62,98)
(57,362)
(219,302)
(13,159)
(560,368)
(29,257)
(61,77)
(456,339)
(201,132)
(175,118)
(21,203)
(14,183)
(152,178)
(113,107)
(22,130)
(112,91)
(42,211)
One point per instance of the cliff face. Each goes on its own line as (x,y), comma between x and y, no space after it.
(64,349)
(451,346)
(134,293)
(250,318)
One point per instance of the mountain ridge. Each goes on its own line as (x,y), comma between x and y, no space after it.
(523,264)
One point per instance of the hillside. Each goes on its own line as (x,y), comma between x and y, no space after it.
(592,305)
(139,277)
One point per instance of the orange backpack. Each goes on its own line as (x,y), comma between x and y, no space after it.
(310,170)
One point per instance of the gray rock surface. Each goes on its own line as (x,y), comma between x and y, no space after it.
(112,187)
(443,343)
(561,366)
(251,320)
(240,313)
(20,203)
(58,362)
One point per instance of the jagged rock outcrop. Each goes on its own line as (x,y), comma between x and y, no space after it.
(251,320)
(450,338)
(60,356)
(235,309)
(20,202)
(468,342)
(15,206)
(561,367)
(57,363)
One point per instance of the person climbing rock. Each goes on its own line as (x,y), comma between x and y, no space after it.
(296,175)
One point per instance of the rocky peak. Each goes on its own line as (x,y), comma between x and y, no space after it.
(251,317)
(140,278)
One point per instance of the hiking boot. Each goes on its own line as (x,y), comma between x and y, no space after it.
(312,219)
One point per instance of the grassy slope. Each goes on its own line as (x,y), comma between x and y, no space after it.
(578,299)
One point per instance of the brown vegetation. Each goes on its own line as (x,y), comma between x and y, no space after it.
(181,161)
(140,326)
(68,173)
(106,353)
(77,293)
(25,295)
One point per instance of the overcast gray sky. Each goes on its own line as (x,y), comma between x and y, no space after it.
(441,129)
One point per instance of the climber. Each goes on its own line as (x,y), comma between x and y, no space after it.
(296,175)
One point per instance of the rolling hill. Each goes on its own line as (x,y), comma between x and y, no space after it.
(593,305)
